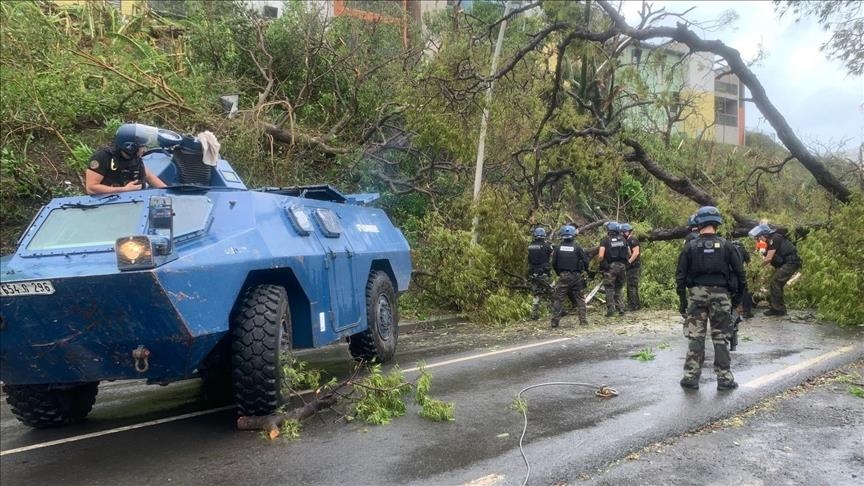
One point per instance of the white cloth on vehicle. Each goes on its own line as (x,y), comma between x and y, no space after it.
(210,146)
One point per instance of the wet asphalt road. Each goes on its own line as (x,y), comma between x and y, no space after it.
(571,433)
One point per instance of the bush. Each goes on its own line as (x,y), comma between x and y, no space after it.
(659,261)
(833,269)
(503,307)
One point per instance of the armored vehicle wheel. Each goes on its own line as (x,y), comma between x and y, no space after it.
(42,406)
(378,342)
(261,330)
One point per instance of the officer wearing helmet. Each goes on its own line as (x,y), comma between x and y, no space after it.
(120,168)
(783,256)
(539,271)
(613,254)
(694,229)
(634,267)
(710,269)
(570,262)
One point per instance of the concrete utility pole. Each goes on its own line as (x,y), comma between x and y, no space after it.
(481,145)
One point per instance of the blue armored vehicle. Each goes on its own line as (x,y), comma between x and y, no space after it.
(205,278)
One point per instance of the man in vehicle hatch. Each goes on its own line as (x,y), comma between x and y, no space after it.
(120,168)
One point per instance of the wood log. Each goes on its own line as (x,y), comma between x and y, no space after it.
(272,423)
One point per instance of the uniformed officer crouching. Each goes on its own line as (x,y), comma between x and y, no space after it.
(709,268)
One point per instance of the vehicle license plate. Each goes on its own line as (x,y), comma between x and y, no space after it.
(37,287)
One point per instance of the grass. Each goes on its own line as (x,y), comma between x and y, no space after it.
(645,354)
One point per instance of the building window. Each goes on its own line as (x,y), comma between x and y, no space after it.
(727,112)
(728,88)
(175,8)
(270,12)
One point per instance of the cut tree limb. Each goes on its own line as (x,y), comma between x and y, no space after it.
(271,423)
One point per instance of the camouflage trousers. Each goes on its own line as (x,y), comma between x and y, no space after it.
(541,286)
(708,304)
(778,281)
(572,285)
(633,276)
(613,283)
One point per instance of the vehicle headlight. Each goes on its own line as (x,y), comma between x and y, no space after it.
(134,252)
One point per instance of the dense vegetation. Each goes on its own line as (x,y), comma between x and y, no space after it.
(345,102)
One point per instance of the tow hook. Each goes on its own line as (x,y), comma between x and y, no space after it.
(141,355)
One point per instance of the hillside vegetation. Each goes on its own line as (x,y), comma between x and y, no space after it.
(344,102)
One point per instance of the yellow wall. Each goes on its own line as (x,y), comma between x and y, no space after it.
(127,7)
(703,114)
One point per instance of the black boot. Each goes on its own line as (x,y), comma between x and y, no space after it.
(690,381)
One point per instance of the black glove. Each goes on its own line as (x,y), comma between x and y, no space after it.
(682,301)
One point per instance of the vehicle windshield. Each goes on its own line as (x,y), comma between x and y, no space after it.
(87,226)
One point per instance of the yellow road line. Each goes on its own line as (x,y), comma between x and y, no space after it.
(789,370)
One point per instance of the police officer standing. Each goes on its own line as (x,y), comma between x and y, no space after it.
(613,255)
(539,271)
(569,262)
(709,267)
(634,267)
(783,256)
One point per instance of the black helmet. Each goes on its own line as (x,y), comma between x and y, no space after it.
(707,215)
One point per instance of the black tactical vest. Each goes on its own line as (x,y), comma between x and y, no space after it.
(538,253)
(617,249)
(567,258)
(709,261)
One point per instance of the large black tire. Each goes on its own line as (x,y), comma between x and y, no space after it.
(261,332)
(43,406)
(378,341)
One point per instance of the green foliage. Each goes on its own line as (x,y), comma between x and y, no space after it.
(833,270)
(504,307)
(659,261)
(290,430)
(519,404)
(430,408)
(644,354)
(464,272)
(856,391)
(381,396)
(298,375)
(632,194)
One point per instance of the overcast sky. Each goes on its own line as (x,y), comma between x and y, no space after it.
(819,100)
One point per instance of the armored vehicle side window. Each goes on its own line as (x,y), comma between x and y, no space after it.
(80,227)
(329,222)
(191,216)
